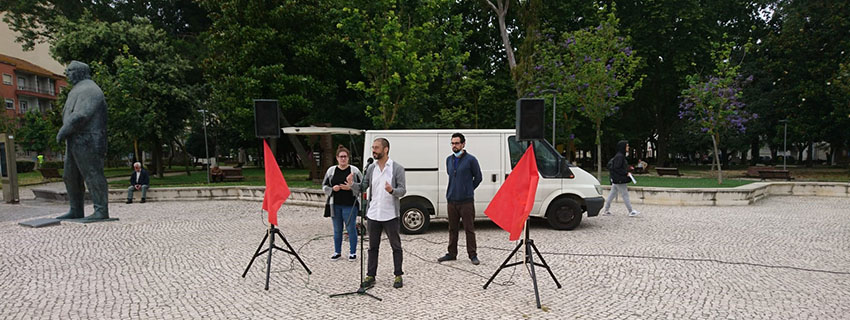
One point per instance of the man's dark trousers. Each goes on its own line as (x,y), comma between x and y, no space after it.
(391,228)
(464,211)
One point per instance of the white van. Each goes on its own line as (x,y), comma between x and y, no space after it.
(563,193)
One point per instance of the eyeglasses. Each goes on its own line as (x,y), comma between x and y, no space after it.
(457,143)
(342,157)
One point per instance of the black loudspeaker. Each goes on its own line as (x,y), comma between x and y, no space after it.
(529,119)
(266,118)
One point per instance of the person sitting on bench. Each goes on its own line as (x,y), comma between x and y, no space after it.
(139,180)
(216,174)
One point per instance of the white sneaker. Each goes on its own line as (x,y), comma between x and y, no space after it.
(634,213)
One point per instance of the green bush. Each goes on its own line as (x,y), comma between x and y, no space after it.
(54,164)
(25,166)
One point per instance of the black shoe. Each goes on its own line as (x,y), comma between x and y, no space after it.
(352,257)
(143,200)
(336,256)
(446,257)
(398,283)
(475,260)
(368,282)
(129,201)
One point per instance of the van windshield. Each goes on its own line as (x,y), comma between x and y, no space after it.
(547,158)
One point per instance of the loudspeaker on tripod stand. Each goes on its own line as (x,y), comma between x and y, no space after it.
(529,119)
(266,118)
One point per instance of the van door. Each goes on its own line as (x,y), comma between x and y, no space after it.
(547,168)
(487,148)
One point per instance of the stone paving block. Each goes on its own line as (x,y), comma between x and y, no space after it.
(786,258)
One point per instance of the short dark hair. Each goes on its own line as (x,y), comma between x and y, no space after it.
(384,142)
(459,135)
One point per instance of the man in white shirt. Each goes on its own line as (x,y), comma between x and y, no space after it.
(386,183)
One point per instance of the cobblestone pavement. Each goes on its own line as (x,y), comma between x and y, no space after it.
(783,258)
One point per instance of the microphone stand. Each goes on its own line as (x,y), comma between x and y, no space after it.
(360,290)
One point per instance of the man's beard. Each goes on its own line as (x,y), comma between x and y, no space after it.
(377,156)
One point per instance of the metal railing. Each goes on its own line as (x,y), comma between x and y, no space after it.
(48,91)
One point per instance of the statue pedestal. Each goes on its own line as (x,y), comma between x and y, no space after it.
(87,220)
(38,223)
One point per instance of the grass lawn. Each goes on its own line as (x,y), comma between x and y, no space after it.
(295,178)
(34,177)
(647,180)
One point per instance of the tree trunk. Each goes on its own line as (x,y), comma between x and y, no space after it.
(811,161)
(599,150)
(299,148)
(501,9)
(157,158)
(717,159)
(185,156)
(754,150)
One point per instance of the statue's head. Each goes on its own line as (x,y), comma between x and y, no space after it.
(78,71)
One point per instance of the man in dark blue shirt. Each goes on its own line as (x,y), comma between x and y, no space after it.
(464,176)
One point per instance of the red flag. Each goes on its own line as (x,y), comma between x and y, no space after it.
(513,202)
(276,189)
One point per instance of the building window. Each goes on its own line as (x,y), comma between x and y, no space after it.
(23,106)
(7,79)
(10,104)
(21,83)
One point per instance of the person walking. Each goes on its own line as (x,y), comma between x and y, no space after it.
(464,176)
(385,181)
(343,202)
(619,173)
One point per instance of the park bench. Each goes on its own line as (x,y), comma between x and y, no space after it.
(753,171)
(50,173)
(232,174)
(775,174)
(668,171)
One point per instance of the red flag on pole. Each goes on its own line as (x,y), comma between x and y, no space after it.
(276,189)
(510,207)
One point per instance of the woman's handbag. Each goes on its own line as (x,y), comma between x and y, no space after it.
(328,208)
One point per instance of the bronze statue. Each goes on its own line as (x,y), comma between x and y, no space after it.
(84,131)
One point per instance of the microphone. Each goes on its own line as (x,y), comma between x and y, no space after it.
(369,161)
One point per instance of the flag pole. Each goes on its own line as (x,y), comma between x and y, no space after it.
(272,231)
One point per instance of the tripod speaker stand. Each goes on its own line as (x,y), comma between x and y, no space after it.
(270,235)
(529,259)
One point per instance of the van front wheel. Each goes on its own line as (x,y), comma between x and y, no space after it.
(564,214)
(414,218)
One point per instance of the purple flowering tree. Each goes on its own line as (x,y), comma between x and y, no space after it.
(592,70)
(713,102)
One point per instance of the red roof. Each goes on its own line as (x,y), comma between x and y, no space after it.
(27,66)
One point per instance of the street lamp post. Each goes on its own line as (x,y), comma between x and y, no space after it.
(785,144)
(206,144)
(554,108)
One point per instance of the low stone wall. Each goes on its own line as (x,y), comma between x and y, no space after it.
(299,196)
(739,196)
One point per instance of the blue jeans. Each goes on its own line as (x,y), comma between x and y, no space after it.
(345,215)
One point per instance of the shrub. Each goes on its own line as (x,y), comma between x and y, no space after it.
(25,166)
(54,164)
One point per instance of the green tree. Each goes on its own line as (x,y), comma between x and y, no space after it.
(143,77)
(713,101)
(37,132)
(592,68)
(809,43)
(401,50)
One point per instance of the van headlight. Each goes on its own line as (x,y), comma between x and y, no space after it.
(598,189)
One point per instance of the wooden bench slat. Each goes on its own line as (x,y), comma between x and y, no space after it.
(50,173)
(667,171)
